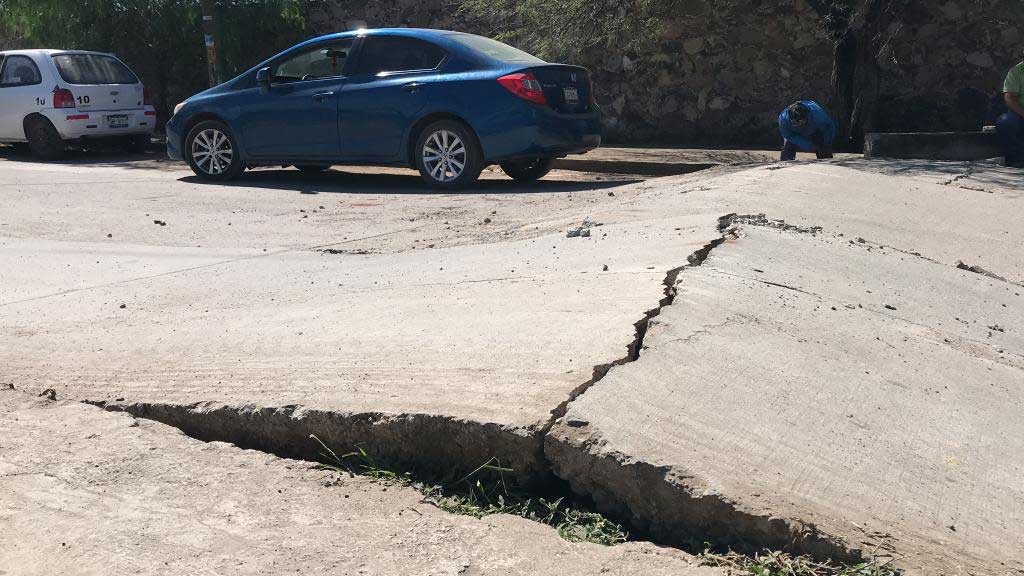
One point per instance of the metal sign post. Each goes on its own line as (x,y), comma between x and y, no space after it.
(209,38)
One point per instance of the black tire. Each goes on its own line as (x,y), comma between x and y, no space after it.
(528,169)
(312,168)
(462,150)
(223,162)
(136,143)
(43,139)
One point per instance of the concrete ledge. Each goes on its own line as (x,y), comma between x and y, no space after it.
(933,145)
(668,161)
(611,166)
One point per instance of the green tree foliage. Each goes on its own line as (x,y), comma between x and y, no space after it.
(162,40)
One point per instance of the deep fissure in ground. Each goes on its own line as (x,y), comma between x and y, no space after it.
(407,444)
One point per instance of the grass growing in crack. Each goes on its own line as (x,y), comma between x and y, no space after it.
(772,563)
(483,492)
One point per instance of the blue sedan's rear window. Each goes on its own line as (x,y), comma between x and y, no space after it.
(494,49)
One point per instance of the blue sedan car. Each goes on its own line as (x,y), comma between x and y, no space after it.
(447,103)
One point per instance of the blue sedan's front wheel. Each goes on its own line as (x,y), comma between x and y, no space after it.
(447,155)
(212,152)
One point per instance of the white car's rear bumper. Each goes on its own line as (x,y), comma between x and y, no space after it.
(73,124)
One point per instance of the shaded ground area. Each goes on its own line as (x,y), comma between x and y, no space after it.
(988,176)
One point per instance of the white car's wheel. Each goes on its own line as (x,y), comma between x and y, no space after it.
(43,139)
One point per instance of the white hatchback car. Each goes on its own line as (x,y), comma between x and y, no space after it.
(50,97)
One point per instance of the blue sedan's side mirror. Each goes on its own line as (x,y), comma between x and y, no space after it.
(263,79)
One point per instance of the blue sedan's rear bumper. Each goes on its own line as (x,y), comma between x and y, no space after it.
(530,131)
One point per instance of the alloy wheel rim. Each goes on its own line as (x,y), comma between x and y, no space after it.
(212,151)
(444,156)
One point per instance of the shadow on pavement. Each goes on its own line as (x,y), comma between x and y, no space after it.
(337,181)
(100,155)
(987,173)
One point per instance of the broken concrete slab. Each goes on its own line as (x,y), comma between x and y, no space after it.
(917,211)
(653,227)
(87,492)
(810,391)
(322,333)
(394,348)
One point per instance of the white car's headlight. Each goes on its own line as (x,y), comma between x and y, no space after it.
(178,108)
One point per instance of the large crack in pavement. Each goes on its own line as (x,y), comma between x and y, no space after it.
(666,504)
(431,445)
(407,441)
(445,447)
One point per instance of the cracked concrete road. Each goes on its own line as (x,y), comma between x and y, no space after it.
(844,389)
(472,308)
(444,329)
(88,492)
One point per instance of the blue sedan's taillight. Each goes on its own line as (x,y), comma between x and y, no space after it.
(524,85)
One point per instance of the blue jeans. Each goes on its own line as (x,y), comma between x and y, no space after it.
(823,150)
(1010,127)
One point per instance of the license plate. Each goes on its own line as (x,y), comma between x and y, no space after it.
(572,96)
(119,121)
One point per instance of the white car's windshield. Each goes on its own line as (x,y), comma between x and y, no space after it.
(93,69)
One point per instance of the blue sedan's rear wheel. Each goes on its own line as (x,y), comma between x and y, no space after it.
(447,155)
(529,169)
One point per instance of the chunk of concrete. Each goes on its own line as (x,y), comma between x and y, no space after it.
(814,391)
(85,492)
(439,358)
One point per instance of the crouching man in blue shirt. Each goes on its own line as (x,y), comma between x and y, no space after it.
(805,126)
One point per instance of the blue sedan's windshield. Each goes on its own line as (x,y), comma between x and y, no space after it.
(494,49)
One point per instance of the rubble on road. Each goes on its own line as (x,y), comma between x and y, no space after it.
(583,230)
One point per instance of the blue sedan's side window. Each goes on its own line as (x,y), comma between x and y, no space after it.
(323,61)
(389,54)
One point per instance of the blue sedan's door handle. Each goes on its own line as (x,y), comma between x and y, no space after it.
(322,96)
(413,87)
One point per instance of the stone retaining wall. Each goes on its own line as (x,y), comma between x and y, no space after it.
(722,70)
